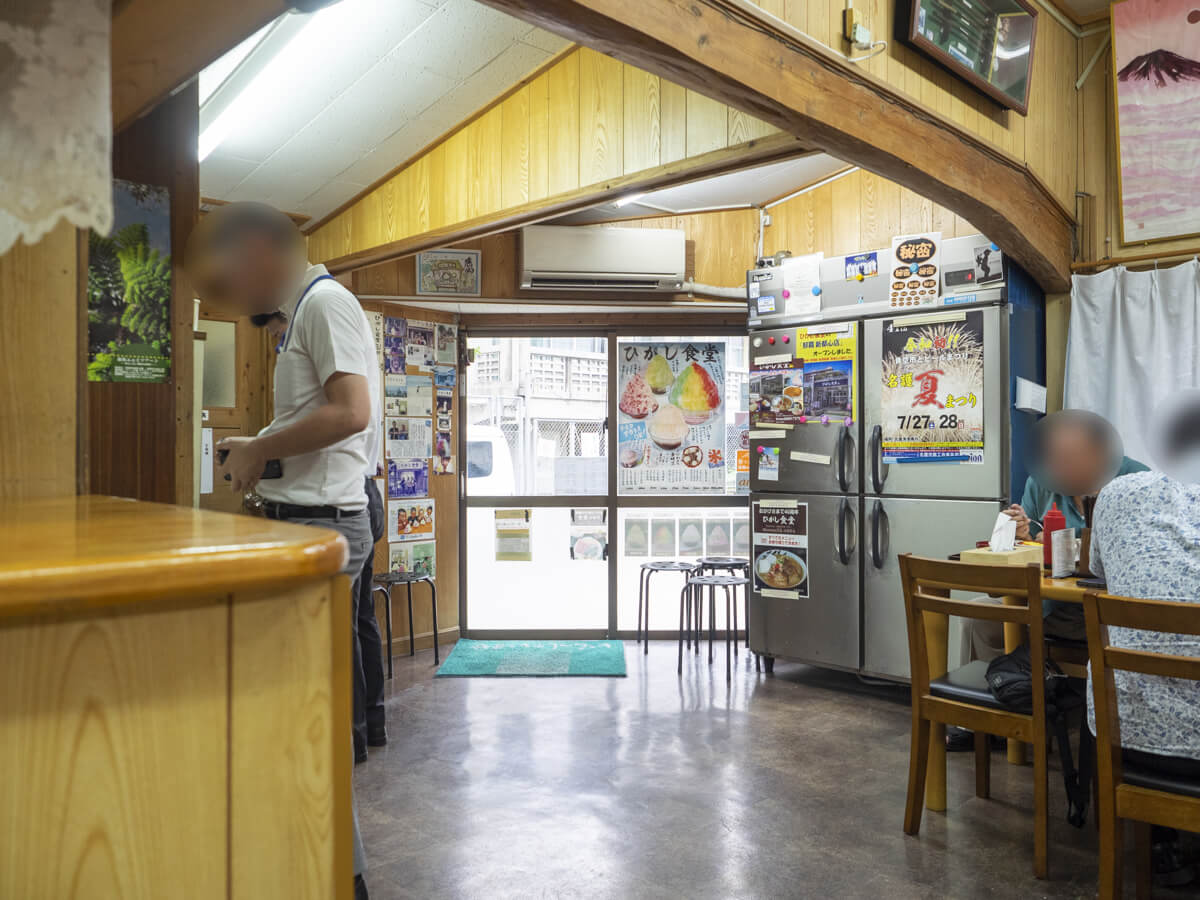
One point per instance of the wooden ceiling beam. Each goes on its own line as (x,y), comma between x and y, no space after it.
(719,48)
(159,45)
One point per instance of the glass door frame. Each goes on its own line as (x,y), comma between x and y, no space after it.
(610,501)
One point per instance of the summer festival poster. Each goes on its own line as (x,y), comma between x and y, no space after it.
(671,424)
(931,395)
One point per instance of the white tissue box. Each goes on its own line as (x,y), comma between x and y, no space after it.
(1022,555)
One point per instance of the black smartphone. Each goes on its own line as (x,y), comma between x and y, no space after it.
(1098,583)
(273,468)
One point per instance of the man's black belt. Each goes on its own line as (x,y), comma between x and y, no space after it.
(285,511)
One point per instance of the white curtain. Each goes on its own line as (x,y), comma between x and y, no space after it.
(1134,339)
(55,117)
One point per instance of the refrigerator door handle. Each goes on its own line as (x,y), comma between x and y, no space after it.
(880,535)
(842,454)
(878,469)
(846,512)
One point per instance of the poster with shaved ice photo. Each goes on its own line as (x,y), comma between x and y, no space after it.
(671,417)
(932,389)
(716,537)
(1156,76)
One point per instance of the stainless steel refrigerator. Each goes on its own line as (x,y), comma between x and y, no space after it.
(863,513)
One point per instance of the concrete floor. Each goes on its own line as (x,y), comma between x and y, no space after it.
(656,786)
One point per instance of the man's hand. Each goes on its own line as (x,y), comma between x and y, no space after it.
(244,464)
(1016,511)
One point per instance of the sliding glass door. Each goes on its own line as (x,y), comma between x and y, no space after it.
(586,455)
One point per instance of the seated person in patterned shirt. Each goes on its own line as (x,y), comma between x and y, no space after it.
(1074,453)
(1146,544)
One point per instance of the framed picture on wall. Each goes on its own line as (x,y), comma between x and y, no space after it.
(448,272)
(1156,80)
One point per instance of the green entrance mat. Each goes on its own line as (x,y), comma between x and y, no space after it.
(508,659)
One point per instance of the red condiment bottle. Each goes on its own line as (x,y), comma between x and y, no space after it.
(1051,522)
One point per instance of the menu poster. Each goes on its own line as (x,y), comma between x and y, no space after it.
(671,423)
(716,537)
(415,557)
(407,478)
(408,438)
(916,269)
(514,542)
(589,534)
(394,360)
(777,394)
(419,345)
(932,388)
(447,344)
(637,537)
(780,555)
(443,454)
(662,537)
(828,353)
(410,520)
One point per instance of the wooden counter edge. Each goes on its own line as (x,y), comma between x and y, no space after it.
(172,577)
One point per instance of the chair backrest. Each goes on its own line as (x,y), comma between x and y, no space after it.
(927,586)
(1102,611)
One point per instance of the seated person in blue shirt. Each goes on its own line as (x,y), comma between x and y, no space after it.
(1145,540)
(1074,454)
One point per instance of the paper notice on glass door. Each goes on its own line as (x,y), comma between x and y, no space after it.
(514,541)
(780,552)
(931,394)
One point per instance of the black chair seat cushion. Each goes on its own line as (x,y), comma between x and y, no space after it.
(967,684)
(1136,773)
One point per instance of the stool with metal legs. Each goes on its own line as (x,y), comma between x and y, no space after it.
(697,584)
(733,565)
(410,578)
(387,619)
(649,569)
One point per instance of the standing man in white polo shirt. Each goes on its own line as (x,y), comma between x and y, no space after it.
(325,433)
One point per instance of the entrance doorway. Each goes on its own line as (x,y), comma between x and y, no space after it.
(587,454)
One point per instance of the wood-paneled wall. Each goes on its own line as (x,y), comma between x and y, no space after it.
(585,120)
(140,435)
(1042,139)
(40,294)
(443,490)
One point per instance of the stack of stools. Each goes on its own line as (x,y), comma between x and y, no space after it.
(693,591)
(649,569)
(384,582)
(730,565)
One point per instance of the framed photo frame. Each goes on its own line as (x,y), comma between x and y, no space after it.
(453,272)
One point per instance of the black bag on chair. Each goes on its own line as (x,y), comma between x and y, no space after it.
(1010,679)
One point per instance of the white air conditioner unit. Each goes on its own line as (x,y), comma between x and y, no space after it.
(580,258)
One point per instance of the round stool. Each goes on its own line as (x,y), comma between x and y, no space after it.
(649,569)
(712,565)
(387,580)
(697,584)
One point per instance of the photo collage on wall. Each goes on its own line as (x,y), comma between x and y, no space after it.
(688,536)
(419,369)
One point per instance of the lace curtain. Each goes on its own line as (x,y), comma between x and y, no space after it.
(55,117)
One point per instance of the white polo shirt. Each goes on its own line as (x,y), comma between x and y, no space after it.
(327,332)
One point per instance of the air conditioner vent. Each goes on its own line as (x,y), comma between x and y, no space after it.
(583,258)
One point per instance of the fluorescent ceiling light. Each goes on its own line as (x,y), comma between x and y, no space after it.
(272,83)
(213,76)
(629,198)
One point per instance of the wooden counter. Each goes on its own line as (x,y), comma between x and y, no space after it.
(174,704)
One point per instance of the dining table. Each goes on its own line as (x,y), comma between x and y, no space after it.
(937,636)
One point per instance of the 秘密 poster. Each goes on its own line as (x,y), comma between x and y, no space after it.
(129,288)
(514,541)
(408,438)
(411,520)
(589,534)
(916,269)
(448,272)
(780,556)
(671,428)
(407,478)
(931,394)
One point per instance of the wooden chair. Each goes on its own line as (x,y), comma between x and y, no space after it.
(961,697)
(1145,796)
